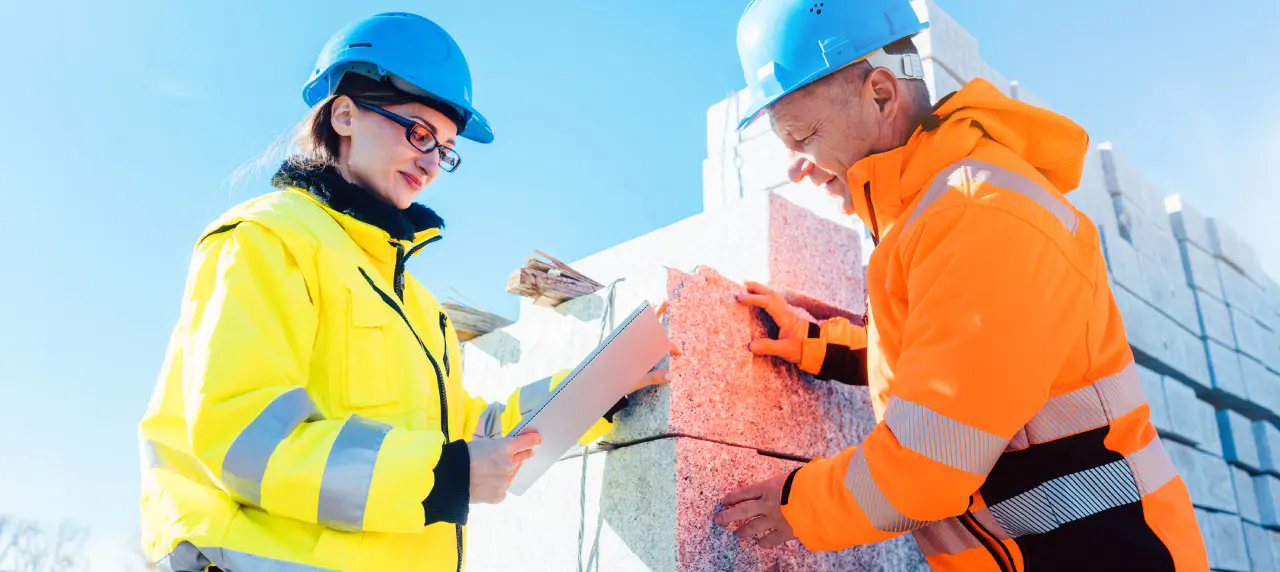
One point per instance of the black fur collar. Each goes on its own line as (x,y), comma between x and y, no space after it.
(332,189)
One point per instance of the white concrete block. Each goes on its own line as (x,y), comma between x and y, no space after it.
(1226,244)
(1183,412)
(1021,93)
(1153,389)
(1275,548)
(1215,320)
(1237,290)
(1258,540)
(1125,179)
(947,41)
(1263,385)
(1228,542)
(1188,224)
(1267,437)
(1205,522)
(1267,488)
(1212,437)
(1246,496)
(1201,270)
(1092,197)
(1125,266)
(1208,478)
(1238,445)
(1228,382)
(1248,337)
(1168,294)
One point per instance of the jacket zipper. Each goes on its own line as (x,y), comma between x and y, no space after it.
(444,339)
(444,399)
(988,540)
(871,211)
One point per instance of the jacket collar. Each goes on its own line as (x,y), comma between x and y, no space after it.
(370,222)
(883,185)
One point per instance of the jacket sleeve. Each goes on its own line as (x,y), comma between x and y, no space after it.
(251,422)
(836,350)
(988,327)
(492,420)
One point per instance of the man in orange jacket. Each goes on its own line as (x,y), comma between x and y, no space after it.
(1012,430)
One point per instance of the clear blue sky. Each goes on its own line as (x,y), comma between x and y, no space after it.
(123,120)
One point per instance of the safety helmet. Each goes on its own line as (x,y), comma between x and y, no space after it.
(415,54)
(785,45)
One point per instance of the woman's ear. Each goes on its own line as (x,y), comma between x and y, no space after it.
(342,115)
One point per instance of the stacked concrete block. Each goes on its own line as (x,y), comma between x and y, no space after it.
(1267,490)
(1263,386)
(1275,548)
(1249,334)
(1238,444)
(1246,496)
(1205,523)
(1258,542)
(1227,246)
(1184,412)
(1213,439)
(1153,389)
(1208,478)
(1267,436)
(1228,542)
(950,53)
(1228,385)
(1215,320)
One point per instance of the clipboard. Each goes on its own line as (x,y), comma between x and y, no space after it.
(609,372)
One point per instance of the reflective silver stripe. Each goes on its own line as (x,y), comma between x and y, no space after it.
(1058,501)
(348,473)
(490,423)
(1087,408)
(186,557)
(879,510)
(971,172)
(942,438)
(246,460)
(533,395)
(946,536)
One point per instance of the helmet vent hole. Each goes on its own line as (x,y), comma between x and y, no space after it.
(817,7)
(362,45)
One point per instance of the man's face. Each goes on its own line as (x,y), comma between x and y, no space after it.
(828,126)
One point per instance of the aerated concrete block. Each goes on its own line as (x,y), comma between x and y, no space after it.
(1228,382)
(1237,291)
(1124,179)
(1208,478)
(1205,522)
(1267,489)
(1249,337)
(720,391)
(1228,542)
(1188,224)
(1246,496)
(1226,245)
(1184,413)
(1267,437)
(1212,442)
(648,507)
(1258,540)
(1238,446)
(1153,389)
(1215,320)
(1263,386)
(1201,270)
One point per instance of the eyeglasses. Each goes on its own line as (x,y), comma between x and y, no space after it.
(421,138)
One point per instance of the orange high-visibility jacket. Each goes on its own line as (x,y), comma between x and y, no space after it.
(1013,432)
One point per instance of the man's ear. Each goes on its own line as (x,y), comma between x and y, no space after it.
(882,88)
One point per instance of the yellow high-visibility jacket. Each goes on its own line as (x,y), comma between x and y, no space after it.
(311,395)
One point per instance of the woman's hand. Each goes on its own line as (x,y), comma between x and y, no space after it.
(494,463)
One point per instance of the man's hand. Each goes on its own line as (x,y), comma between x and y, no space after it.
(792,329)
(758,510)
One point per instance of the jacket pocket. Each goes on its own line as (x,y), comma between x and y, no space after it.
(368,382)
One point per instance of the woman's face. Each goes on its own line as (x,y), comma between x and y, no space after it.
(375,155)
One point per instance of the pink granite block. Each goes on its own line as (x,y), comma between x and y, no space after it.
(703,473)
(722,392)
(815,258)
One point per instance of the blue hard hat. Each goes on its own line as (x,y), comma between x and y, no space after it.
(412,52)
(785,45)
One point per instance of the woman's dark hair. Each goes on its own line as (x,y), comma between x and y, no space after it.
(316,141)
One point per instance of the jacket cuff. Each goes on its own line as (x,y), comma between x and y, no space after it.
(450,498)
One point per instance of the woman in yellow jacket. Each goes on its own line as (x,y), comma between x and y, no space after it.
(310,414)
